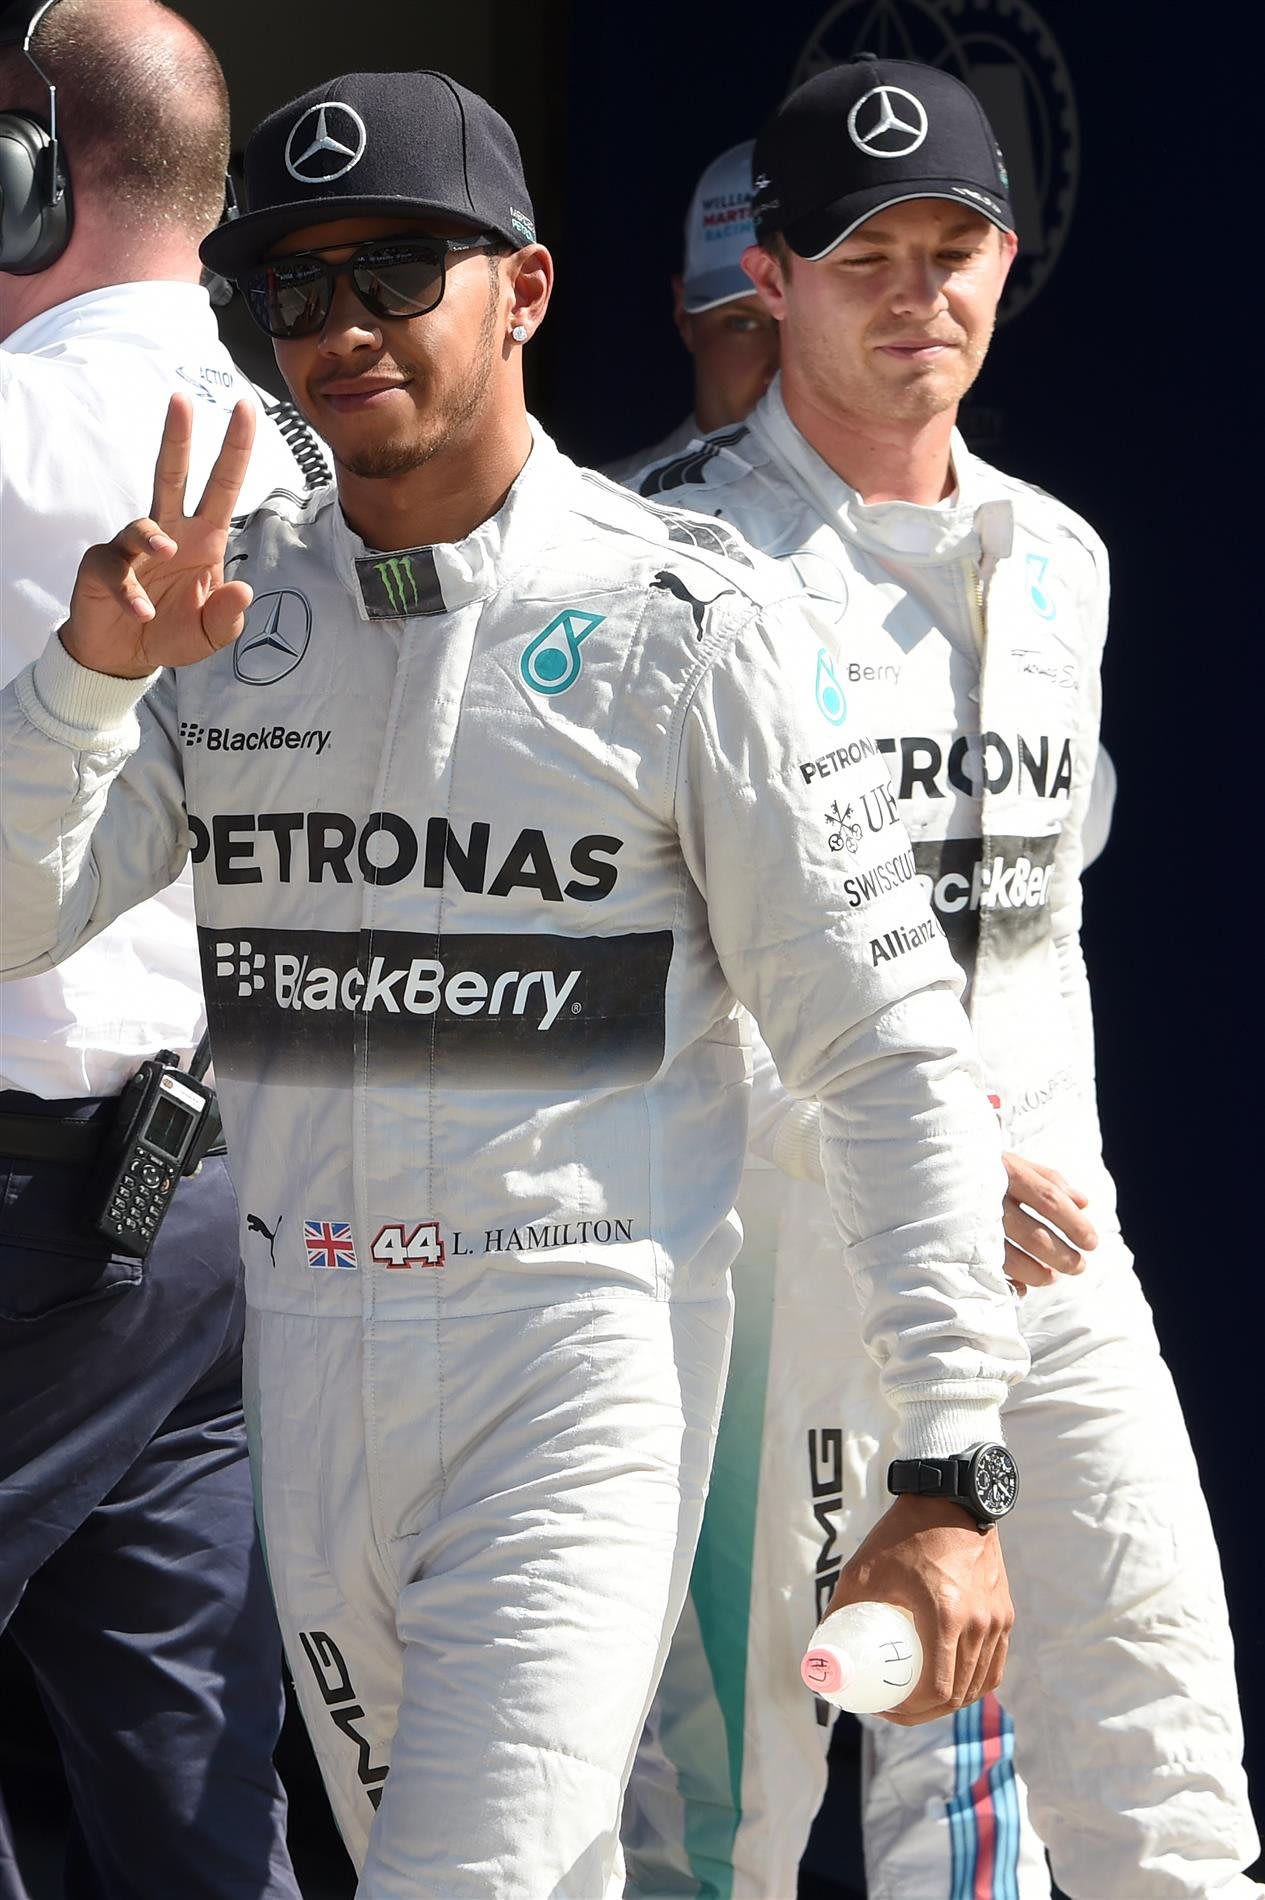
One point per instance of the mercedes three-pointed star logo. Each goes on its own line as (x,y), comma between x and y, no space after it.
(328,147)
(880,128)
(274,639)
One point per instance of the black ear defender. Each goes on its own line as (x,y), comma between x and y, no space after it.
(36,210)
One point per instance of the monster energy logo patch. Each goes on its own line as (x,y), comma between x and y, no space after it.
(396,586)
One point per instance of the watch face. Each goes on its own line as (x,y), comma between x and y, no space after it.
(996,1479)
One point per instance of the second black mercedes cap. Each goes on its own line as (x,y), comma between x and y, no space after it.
(867,134)
(377,144)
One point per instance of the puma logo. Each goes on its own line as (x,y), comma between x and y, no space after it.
(673,584)
(255,1226)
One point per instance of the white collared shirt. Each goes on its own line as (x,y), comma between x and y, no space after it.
(83,391)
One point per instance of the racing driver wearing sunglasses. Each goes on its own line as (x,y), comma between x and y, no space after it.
(500,785)
(401,275)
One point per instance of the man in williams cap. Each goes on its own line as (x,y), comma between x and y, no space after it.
(499,785)
(731,338)
(884,235)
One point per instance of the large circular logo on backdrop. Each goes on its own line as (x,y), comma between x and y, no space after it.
(1007,55)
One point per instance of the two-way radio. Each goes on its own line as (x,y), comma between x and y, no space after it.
(167,1119)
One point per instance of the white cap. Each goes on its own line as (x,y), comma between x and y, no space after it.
(718,229)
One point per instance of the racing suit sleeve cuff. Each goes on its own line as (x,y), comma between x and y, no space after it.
(89,711)
(797,1143)
(934,1428)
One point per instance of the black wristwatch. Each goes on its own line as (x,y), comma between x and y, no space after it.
(984,1481)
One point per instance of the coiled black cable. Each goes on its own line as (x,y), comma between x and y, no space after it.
(301,439)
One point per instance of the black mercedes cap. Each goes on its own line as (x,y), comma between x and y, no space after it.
(376,144)
(867,134)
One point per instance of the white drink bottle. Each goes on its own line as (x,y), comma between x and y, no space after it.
(865,1658)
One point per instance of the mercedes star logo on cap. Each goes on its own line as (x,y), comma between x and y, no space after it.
(274,639)
(880,128)
(325,143)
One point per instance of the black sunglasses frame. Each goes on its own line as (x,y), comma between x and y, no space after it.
(253,280)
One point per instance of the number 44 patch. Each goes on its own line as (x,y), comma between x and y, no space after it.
(401,1244)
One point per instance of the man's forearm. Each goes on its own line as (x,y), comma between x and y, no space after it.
(65,736)
(910,1135)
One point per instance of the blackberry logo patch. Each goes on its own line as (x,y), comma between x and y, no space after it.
(472,1011)
(1006,881)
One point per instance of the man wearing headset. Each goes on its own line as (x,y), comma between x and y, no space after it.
(130,1570)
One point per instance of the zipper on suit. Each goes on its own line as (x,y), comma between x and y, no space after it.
(979,619)
(979,626)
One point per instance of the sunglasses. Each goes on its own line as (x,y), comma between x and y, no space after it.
(392,276)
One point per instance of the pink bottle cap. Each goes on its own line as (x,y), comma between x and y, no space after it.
(826,1671)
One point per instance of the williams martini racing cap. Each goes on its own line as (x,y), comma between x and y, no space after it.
(376,145)
(868,134)
(718,230)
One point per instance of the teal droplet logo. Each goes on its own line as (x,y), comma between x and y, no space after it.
(1037,594)
(552,660)
(831,700)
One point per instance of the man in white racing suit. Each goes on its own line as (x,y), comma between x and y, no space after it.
(980,674)
(500,788)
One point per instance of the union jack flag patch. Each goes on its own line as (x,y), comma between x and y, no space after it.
(330,1245)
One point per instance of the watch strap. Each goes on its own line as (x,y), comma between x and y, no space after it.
(928,1477)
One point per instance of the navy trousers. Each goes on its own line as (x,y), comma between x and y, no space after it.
(130,1569)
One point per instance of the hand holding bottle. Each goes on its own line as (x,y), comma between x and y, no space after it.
(865,1657)
(927,1556)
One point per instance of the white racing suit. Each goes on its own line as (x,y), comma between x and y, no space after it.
(980,674)
(487,838)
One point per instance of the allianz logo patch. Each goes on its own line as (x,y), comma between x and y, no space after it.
(420,987)
(260,739)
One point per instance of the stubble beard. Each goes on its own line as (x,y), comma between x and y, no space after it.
(920,400)
(923,396)
(442,425)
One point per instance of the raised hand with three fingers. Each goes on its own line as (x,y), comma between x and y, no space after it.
(156,595)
